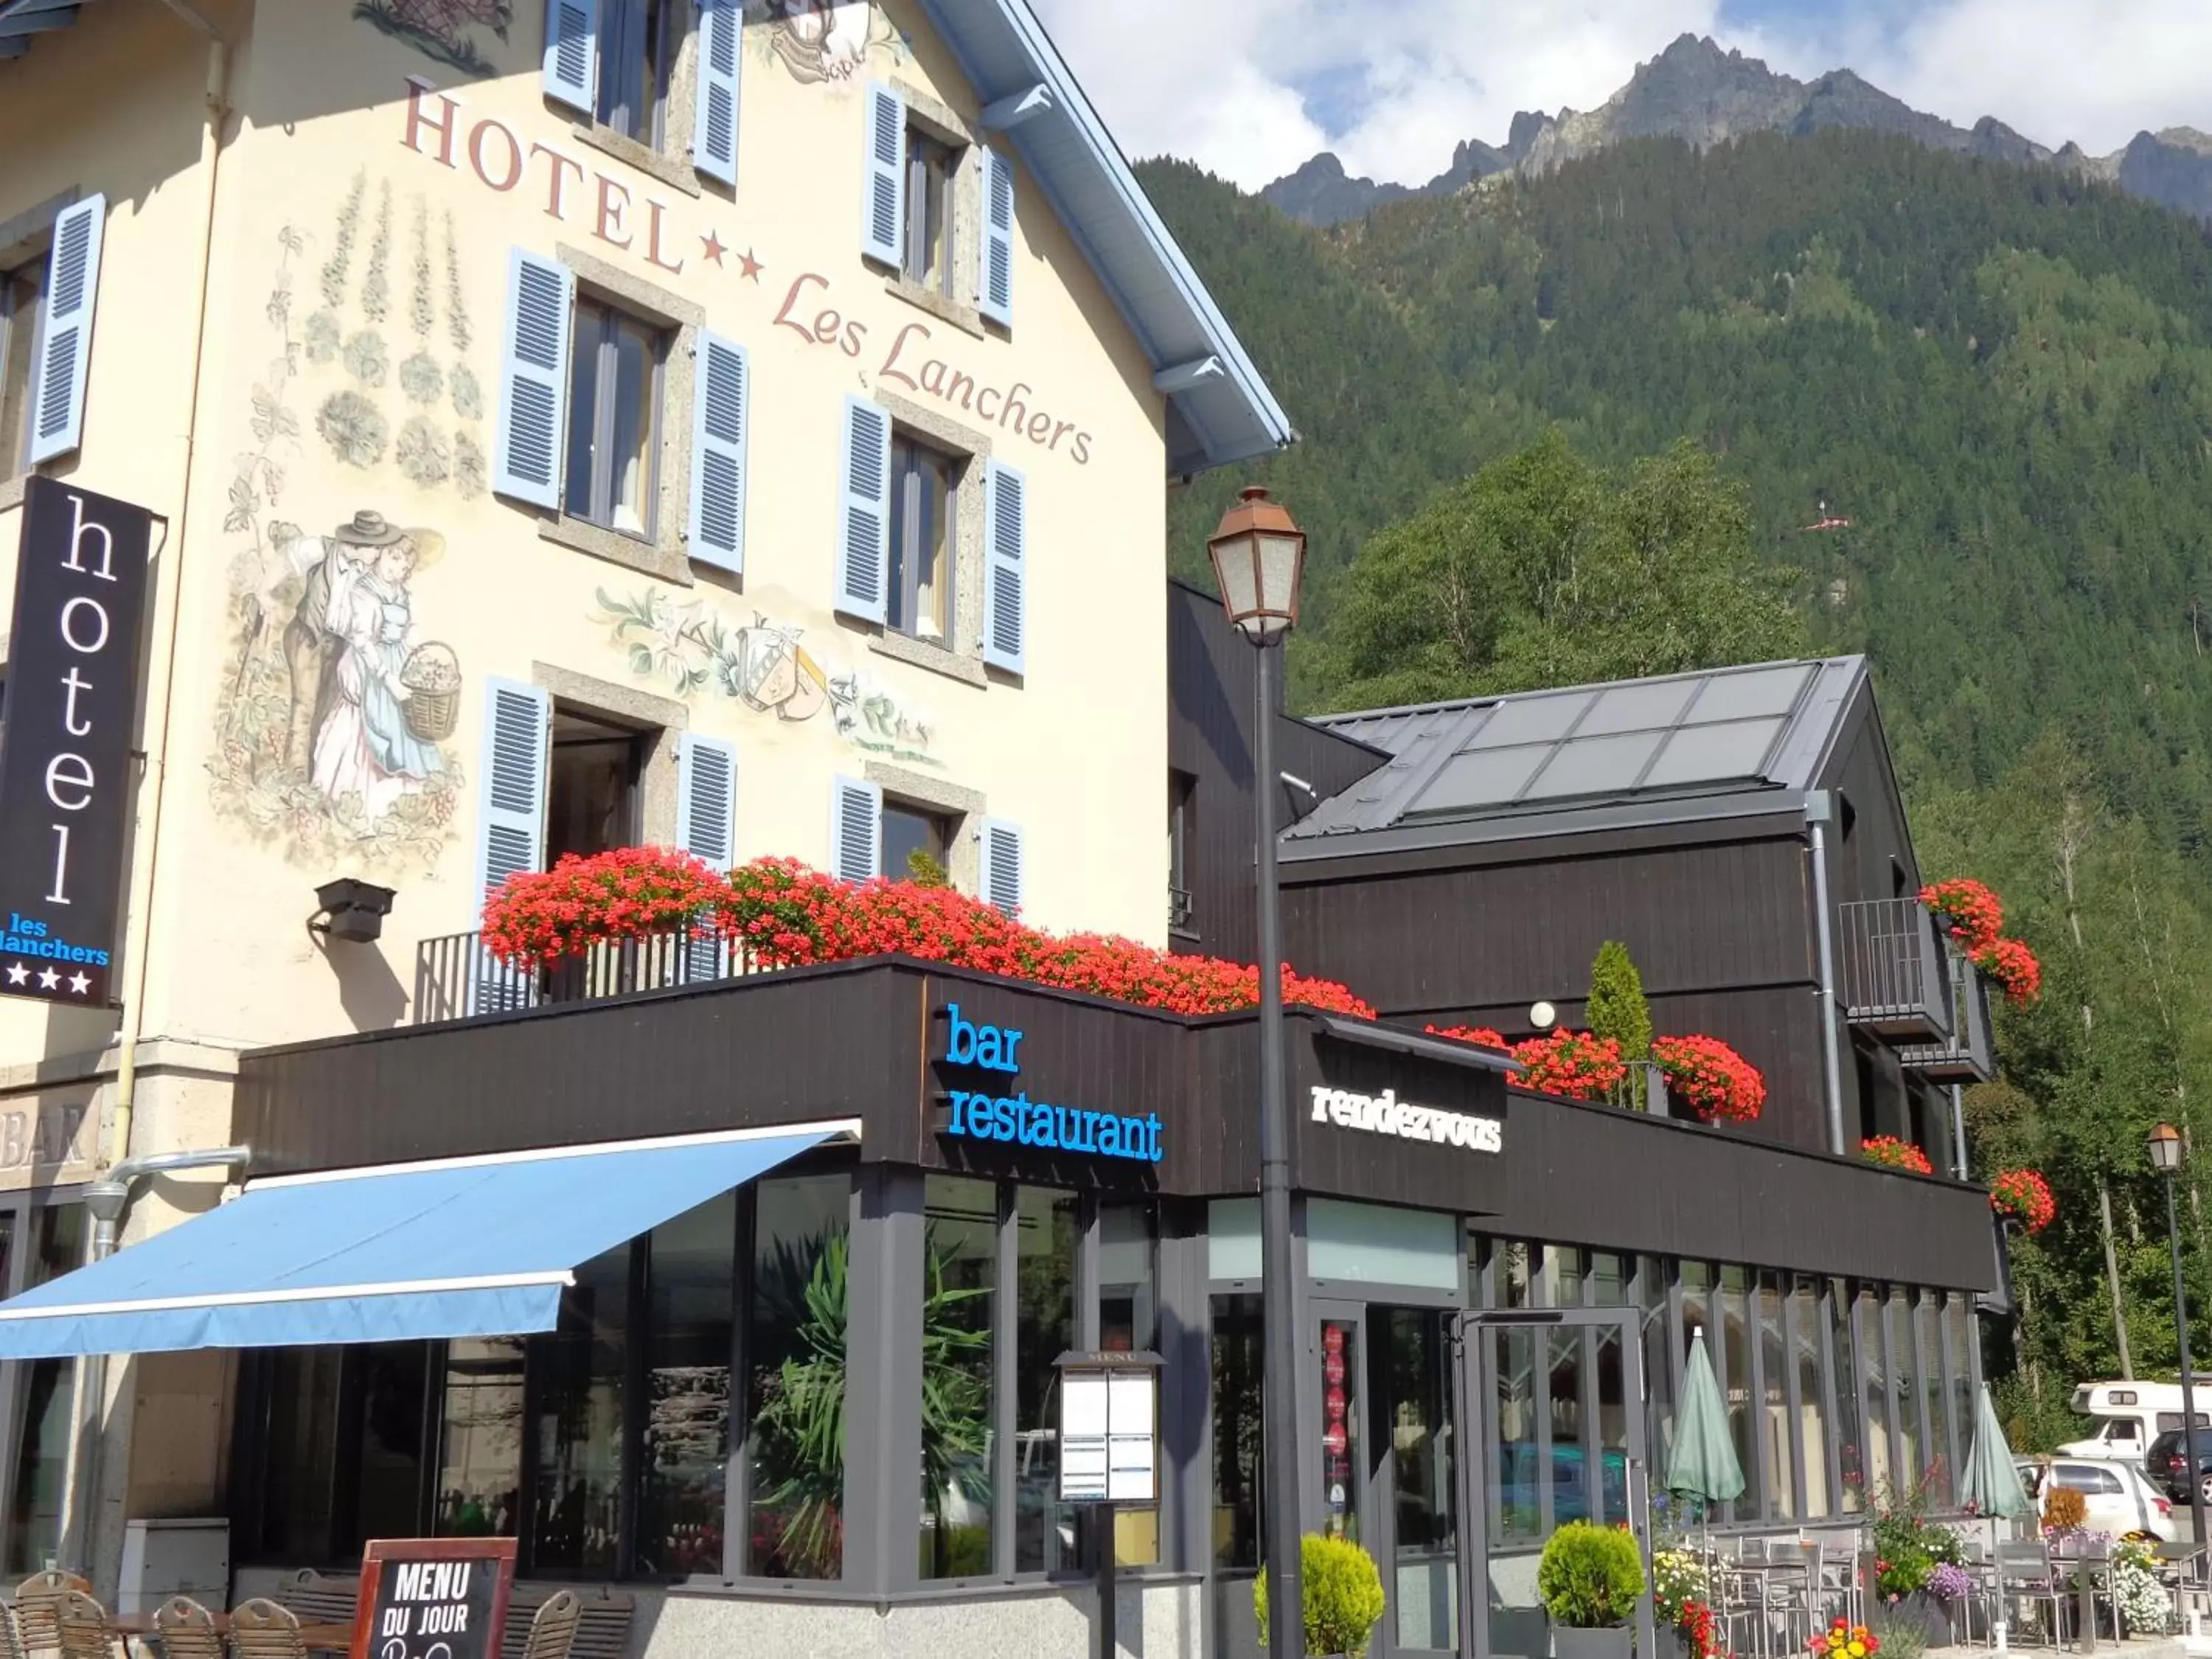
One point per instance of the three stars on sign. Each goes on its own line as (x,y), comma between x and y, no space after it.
(49,980)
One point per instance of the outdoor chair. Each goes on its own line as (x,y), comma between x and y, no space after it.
(602,1628)
(87,1633)
(2024,1577)
(11,1634)
(38,1609)
(315,1598)
(260,1629)
(553,1627)
(187,1631)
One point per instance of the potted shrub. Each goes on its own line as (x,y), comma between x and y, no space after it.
(1589,1580)
(1343,1596)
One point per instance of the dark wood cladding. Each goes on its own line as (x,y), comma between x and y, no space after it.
(1213,703)
(866,1040)
(1594,1175)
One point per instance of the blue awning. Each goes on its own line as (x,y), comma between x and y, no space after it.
(460,1247)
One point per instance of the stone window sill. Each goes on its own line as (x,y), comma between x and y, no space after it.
(935,658)
(965,318)
(649,558)
(674,170)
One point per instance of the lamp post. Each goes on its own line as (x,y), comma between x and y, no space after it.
(1259,554)
(2165,1159)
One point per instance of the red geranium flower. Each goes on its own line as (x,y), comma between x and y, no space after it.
(2012,965)
(2025,1194)
(1481,1036)
(1720,1084)
(1896,1154)
(1977,913)
(1574,1064)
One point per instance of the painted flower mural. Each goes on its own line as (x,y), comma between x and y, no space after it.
(442,29)
(824,40)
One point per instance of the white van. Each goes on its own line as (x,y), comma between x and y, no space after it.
(2127,1417)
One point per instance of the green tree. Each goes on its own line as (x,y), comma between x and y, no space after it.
(1617,1010)
(1541,570)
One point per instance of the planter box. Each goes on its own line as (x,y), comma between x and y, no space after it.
(1616,1643)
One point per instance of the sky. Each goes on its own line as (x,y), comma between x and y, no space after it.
(1251,89)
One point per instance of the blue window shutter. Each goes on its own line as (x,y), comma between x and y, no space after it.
(994,287)
(1000,882)
(706,825)
(510,826)
(64,348)
(714,124)
(572,54)
(534,379)
(864,529)
(718,453)
(707,799)
(511,832)
(1005,568)
(856,830)
(882,194)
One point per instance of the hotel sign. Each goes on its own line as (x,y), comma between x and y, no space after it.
(999,1111)
(1386,1115)
(65,771)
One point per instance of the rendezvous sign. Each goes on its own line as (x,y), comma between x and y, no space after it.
(65,730)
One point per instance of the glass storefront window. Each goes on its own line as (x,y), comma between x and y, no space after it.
(1874,1373)
(795,1376)
(1417,1352)
(960,1270)
(1514,1515)
(1774,1402)
(1608,1279)
(1343,1463)
(1129,1323)
(1658,1364)
(577,1492)
(1804,1337)
(1926,1323)
(1044,1297)
(480,1438)
(1736,1315)
(301,1433)
(1851,1449)
(687,1392)
(1959,1326)
(386,1463)
(1904,1395)
(1238,1360)
(1510,1262)
(35,1515)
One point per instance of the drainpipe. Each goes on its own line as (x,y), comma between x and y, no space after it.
(108,1199)
(1820,809)
(1958,1130)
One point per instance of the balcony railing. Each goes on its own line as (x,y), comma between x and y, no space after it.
(1178,910)
(1895,980)
(1970,1056)
(458,975)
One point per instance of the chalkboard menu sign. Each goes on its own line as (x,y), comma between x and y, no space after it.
(433,1598)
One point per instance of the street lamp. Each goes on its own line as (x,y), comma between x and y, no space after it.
(1259,554)
(2165,1159)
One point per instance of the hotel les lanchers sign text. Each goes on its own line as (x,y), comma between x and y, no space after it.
(439,127)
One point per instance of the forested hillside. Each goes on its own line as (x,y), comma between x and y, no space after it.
(2002,379)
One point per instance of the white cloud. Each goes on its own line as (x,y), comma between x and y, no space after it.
(1217,81)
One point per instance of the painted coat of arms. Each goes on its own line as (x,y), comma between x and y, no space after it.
(443,29)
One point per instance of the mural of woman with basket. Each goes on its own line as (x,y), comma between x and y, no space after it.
(389,698)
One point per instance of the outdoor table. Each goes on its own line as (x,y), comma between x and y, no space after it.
(1762,1575)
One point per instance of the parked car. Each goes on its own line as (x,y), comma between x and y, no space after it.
(2121,1498)
(2166,1463)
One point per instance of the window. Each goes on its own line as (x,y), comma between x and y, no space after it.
(795,1366)
(39,1246)
(931,167)
(1045,1243)
(1182,814)
(20,297)
(614,396)
(637,51)
(1239,1358)
(960,1276)
(909,834)
(925,485)
(592,797)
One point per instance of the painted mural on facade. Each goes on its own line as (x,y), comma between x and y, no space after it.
(335,721)
(445,30)
(824,41)
(686,646)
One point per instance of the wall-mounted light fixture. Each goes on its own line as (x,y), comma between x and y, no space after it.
(351,910)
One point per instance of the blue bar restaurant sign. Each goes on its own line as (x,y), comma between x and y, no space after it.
(65,771)
(989,1057)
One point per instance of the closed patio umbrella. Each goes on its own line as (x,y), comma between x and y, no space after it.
(1989,1484)
(1703,1464)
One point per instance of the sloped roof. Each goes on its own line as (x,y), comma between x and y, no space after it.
(1220,409)
(1681,745)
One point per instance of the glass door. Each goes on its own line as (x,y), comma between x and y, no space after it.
(1344,1471)
(1554,1402)
(1415,1527)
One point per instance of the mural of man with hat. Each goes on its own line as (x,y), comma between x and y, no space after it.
(310,648)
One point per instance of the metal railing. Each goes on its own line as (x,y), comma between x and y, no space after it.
(1643,1090)
(1179,910)
(1970,1056)
(1894,978)
(458,975)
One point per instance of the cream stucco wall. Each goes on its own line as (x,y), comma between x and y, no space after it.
(304,295)
(323,322)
